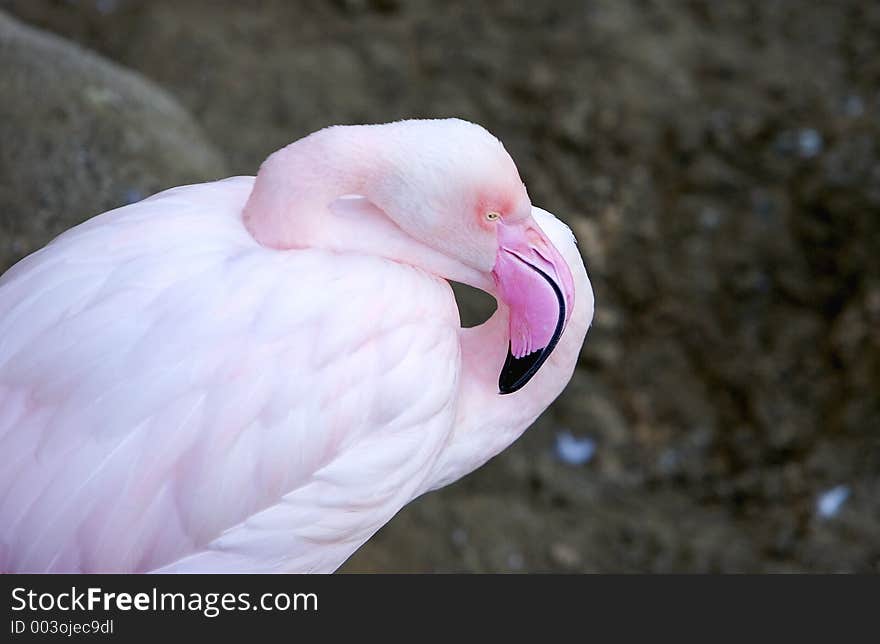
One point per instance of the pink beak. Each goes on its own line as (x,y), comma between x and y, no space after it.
(534,281)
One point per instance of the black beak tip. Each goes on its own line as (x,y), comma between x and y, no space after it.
(518,371)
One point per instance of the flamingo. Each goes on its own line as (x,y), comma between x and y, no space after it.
(256,374)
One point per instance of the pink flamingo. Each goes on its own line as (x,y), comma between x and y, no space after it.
(255,374)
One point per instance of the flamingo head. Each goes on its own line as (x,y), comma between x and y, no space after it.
(463,196)
(455,205)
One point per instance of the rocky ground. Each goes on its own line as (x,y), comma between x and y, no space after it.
(720,163)
(81,135)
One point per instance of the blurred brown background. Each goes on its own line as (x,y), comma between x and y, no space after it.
(719,162)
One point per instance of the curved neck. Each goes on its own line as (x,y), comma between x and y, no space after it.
(296,184)
(293,198)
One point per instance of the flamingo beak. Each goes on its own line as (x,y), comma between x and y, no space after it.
(535,283)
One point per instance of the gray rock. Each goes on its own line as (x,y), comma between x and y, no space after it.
(81,135)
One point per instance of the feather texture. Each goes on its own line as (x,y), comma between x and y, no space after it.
(153,409)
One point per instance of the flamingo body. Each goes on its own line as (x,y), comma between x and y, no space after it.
(177,397)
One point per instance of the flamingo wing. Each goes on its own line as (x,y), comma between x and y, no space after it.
(174,396)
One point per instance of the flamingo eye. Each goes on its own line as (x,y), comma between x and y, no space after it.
(493,216)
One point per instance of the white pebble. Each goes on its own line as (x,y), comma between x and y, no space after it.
(830,501)
(574,450)
(809,143)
